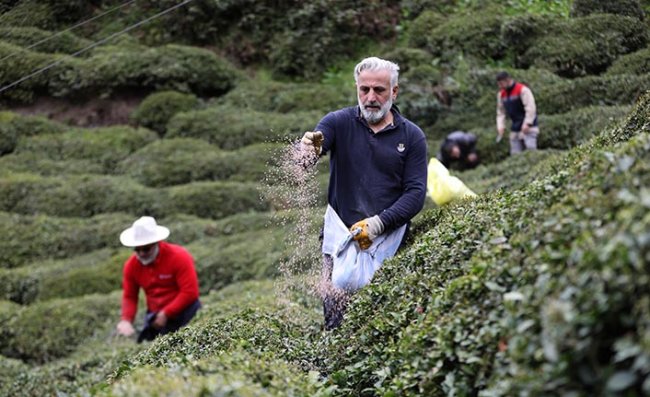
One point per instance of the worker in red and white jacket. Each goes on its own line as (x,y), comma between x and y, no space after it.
(167,275)
(516,101)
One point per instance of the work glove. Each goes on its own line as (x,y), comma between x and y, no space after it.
(370,229)
(314,139)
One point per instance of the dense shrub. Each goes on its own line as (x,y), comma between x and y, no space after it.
(30,13)
(170,67)
(35,163)
(104,146)
(182,160)
(96,272)
(83,371)
(586,45)
(567,130)
(631,8)
(230,128)
(48,330)
(514,172)
(471,34)
(155,110)
(31,239)
(321,32)
(422,95)
(253,254)
(274,96)
(77,195)
(113,68)
(13,126)
(421,27)
(635,63)
(34,238)
(603,90)
(43,41)
(214,200)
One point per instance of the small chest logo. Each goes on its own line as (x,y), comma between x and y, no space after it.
(401,147)
(165,276)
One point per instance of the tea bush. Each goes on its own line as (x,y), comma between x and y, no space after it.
(631,8)
(76,195)
(472,34)
(29,162)
(567,130)
(230,128)
(635,63)
(113,68)
(587,45)
(63,42)
(37,238)
(514,172)
(23,125)
(155,110)
(78,373)
(104,146)
(253,254)
(182,160)
(30,238)
(30,13)
(52,329)
(607,90)
(213,200)
(170,67)
(285,97)
(97,272)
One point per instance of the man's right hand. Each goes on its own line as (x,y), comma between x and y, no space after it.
(313,139)
(125,328)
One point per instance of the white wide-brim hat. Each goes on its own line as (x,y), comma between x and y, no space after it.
(144,231)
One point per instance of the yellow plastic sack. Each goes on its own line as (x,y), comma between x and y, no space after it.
(444,188)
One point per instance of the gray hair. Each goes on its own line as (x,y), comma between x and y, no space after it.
(375,64)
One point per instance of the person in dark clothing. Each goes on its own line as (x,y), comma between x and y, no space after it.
(378,168)
(516,101)
(459,147)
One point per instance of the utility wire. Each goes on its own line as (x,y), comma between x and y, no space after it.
(93,45)
(68,29)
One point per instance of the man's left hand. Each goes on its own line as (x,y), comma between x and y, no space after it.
(370,229)
(160,321)
(525,128)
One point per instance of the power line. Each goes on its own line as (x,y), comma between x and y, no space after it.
(93,45)
(68,29)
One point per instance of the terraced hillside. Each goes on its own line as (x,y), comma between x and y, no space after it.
(538,287)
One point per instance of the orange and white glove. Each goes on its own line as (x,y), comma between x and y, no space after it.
(313,139)
(370,229)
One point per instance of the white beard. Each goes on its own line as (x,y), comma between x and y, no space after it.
(375,116)
(148,259)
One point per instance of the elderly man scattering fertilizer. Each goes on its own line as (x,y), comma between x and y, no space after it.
(166,273)
(378,180)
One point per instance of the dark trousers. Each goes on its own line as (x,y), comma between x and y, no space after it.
(173,324)
(335,301)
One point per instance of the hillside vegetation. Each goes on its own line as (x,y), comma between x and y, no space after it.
(540,286)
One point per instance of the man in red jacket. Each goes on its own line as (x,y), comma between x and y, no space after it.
(167,275)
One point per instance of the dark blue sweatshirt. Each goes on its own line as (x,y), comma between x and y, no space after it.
(382,173)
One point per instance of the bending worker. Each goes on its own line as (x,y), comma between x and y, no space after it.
(166,273)
(378,172)
(459,146)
